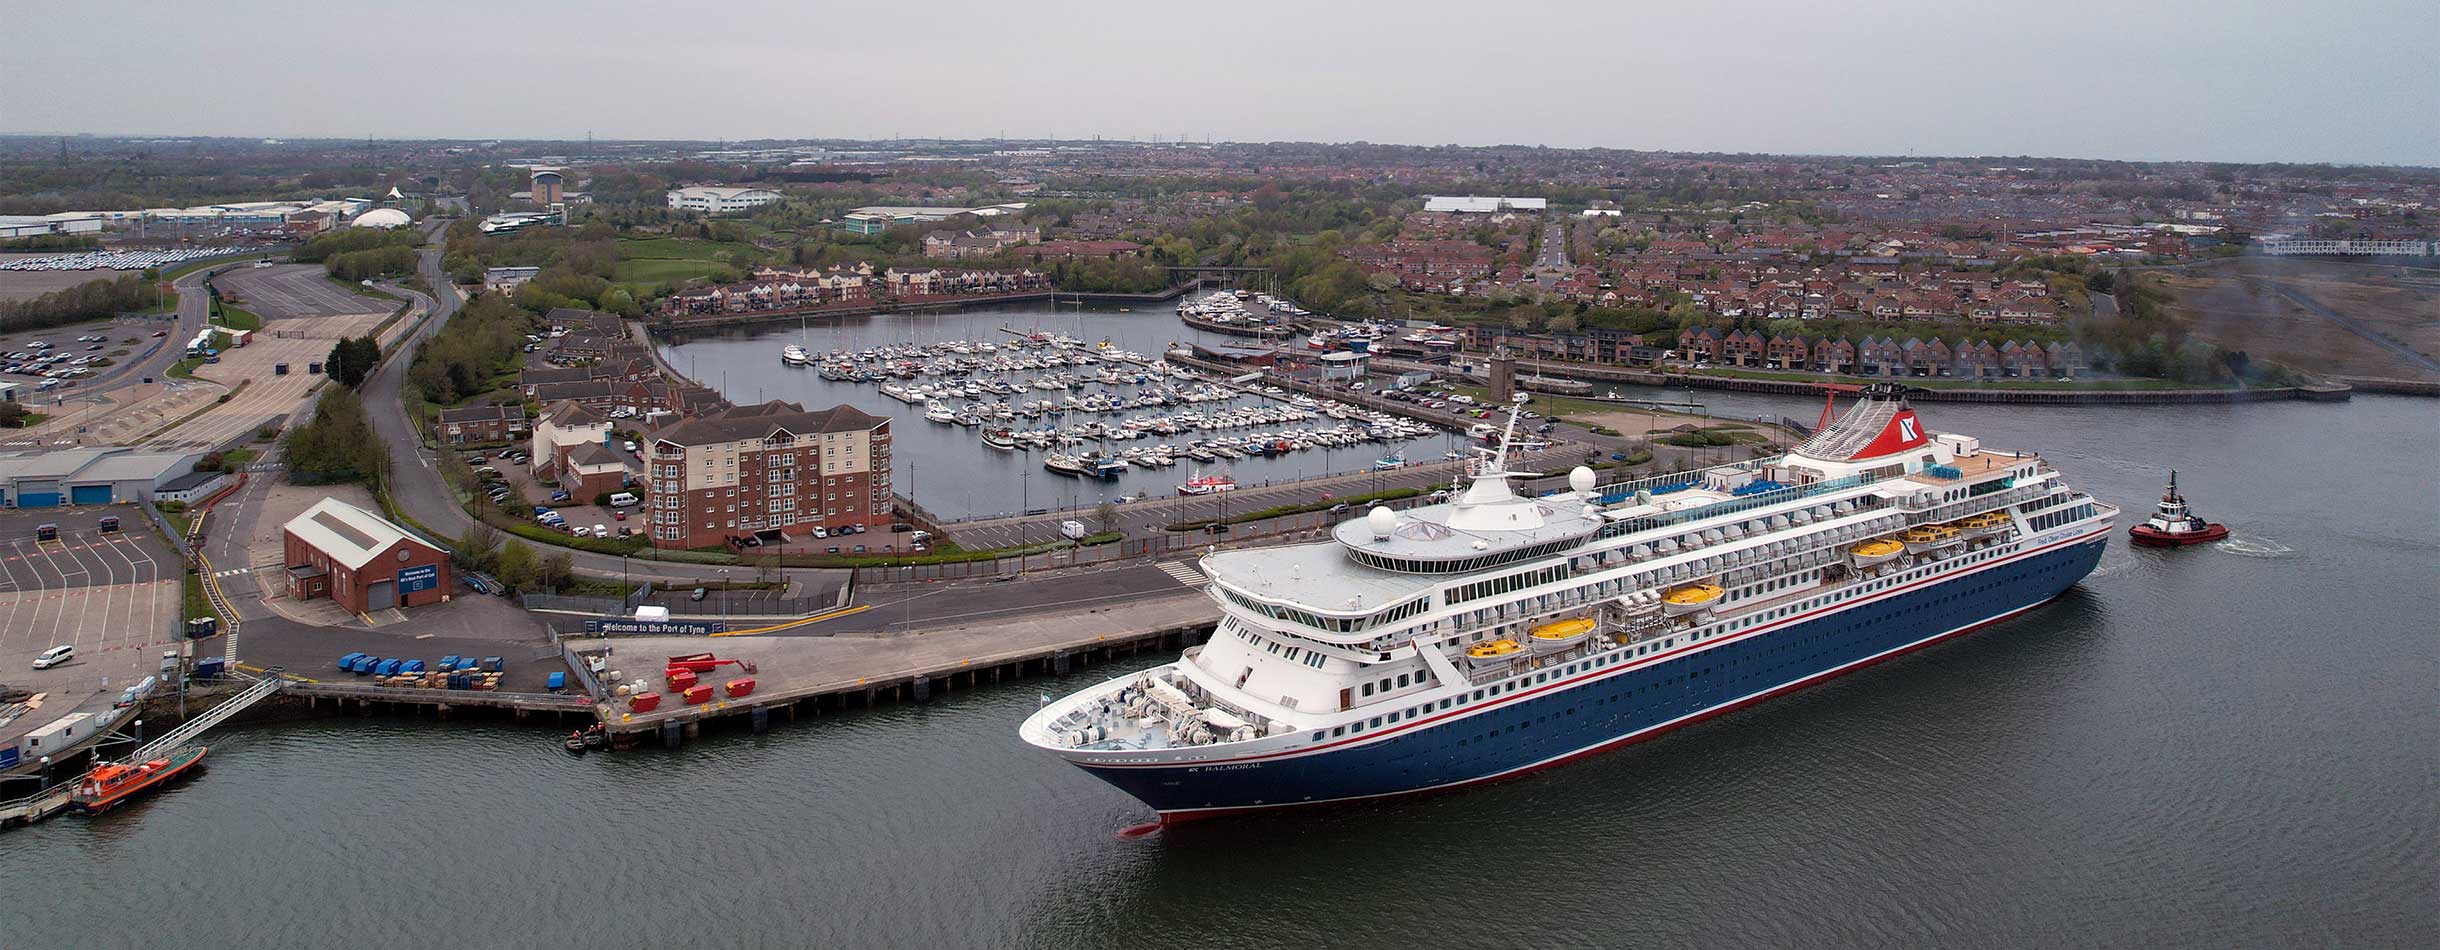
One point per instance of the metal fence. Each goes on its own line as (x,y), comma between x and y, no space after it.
(605,606)
(1312,526)
(741,603)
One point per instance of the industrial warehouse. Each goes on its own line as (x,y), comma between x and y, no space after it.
(361,561)
(94,476)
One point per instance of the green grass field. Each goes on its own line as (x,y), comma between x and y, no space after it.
(645,272)
(688,249)
(239,318)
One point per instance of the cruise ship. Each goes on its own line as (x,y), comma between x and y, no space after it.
(1496,633)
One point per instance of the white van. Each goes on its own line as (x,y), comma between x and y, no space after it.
(622,499)
(55,656)
(1072,530)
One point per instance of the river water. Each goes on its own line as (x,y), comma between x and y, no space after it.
(2227,746)
(946,468)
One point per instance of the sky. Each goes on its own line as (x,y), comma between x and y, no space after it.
(2347,81)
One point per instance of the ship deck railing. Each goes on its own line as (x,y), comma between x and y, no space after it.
(1973,505)
(1777,496)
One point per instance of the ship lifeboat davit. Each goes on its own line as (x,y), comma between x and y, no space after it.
(1923,539)
(1875,551)
(1686,599)
(1982,525)
(1492,652)
(1562,634)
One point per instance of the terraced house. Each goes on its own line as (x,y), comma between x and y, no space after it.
(770,471)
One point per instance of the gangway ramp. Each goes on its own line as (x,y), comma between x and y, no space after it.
(188,730)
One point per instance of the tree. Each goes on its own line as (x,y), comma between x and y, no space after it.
(519,570)
(352,359)
(12,415)
(479,547)
(558,570)
(337,445)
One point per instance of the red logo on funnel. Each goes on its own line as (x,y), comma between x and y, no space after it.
(1903,432)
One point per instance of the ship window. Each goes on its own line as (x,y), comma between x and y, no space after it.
(1478,695)
(1401,679)
(1338,731)
(1368,689)
(1317,737)
(1375,724)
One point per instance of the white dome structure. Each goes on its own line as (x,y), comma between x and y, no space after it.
(382,218)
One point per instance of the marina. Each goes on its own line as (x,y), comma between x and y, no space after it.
(1072,408)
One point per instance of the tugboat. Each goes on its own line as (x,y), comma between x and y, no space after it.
(2175,525)
(111,783)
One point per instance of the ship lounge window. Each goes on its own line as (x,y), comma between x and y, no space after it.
(1375,724)
(1317,737)
(1401,680)
(1478,695)
(1337,731)
(1368,689)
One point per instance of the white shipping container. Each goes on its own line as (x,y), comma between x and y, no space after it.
(60,735)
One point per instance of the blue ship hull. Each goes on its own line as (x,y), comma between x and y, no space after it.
(1611,706)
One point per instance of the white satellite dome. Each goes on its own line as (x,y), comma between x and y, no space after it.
(1382,521)
(1580,478)
(383,218)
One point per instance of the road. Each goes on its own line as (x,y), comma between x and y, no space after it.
(416,484)
(1554,247)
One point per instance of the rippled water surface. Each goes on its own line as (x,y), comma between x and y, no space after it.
(2230,746)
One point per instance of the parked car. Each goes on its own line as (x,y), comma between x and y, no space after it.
(55,656)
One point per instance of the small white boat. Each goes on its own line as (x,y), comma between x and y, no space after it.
(794,355)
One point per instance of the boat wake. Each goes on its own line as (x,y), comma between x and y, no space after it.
(2255,547)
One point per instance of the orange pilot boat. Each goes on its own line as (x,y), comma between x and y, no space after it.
(111,783)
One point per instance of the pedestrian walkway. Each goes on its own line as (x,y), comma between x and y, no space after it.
(1184,572)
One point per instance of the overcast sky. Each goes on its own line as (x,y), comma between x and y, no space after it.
(2233,80)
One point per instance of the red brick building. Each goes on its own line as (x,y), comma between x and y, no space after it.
(775,467)
(478,425)
(361,561)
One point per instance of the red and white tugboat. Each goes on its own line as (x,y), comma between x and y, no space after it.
(2175,525)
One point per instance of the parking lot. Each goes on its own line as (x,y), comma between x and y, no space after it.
(114,596)
(304,315)
(68,354)
(295,290)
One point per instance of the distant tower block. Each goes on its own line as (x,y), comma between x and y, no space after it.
(547,186)
(1503,375)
